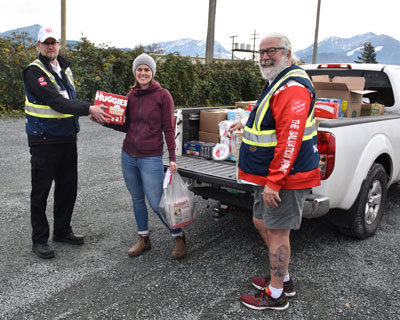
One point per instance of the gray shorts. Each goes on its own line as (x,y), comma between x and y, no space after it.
(288,213)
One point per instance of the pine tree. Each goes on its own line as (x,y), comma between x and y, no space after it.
(368,54)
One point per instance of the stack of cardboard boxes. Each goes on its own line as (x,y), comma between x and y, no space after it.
(211,133)
(209,120)
(342,97)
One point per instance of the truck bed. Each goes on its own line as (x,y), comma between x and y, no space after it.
(214,179)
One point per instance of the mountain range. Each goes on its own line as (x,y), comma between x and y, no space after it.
(332,49)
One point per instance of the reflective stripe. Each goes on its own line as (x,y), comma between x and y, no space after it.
(267,138)
(310,132)
(70,77)
(261,140)
(44,111)
(262,110)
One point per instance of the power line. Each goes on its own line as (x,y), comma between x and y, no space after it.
(253,51)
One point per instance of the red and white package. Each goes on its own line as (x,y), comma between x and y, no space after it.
(326,109)
(116,105)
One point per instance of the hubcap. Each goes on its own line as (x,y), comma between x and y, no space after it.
(373,202)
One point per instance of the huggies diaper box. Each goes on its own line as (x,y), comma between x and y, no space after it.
(116,105)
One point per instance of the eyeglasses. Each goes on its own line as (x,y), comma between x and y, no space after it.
(49,43)
(270,51)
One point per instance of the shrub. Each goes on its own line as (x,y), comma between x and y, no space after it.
(109,69)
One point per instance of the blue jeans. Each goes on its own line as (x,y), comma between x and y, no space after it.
(144,179)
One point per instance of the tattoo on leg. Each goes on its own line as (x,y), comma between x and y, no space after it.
(279,261)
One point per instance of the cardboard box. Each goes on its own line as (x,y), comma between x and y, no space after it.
(116,105)
(348,89)
(368,109)
(209,120)
(208,137)
(193,148)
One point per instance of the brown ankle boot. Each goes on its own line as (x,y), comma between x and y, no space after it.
(142,245)
(179,250)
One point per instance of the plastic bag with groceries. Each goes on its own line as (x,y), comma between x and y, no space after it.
(177,202)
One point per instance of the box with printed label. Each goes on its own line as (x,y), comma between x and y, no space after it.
(237,114)
(193,148)
(348,89)
(116,105)
(327,109)
(235,140)
(373,109)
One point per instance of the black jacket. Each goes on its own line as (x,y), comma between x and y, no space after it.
(49,95)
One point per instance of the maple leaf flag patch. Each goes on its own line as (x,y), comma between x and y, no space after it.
(298,106)
(42,81)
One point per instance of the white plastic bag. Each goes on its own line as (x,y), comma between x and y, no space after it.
(177,202)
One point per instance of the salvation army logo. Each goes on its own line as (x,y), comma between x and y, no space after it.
(298,106)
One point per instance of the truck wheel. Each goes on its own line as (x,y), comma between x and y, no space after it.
(367,211)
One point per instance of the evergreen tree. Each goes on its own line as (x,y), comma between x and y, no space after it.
(368,54)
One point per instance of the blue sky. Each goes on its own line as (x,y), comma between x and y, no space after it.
(129,23)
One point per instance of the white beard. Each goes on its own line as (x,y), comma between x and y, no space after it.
(271,73)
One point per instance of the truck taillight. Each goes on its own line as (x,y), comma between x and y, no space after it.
(326,149)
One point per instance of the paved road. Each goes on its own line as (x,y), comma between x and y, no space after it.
(336,277)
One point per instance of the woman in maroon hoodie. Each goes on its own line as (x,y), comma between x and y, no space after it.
(149,114)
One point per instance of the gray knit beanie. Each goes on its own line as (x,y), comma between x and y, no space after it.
(144,59)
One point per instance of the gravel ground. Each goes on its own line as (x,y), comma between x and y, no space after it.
(336,277)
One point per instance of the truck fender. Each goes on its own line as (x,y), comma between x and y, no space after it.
(376,147)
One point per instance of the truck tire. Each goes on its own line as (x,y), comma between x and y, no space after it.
(367,211)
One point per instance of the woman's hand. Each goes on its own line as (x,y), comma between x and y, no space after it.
(173,167)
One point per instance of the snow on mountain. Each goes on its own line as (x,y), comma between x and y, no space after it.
(334,49)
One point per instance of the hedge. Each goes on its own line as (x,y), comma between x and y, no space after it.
(109,69)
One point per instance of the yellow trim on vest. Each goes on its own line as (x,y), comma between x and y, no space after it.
(259,144)
(255,131)
(264,105)
(44,111)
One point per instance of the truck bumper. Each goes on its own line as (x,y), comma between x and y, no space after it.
(315,206)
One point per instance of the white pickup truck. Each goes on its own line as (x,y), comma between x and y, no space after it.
(359,157)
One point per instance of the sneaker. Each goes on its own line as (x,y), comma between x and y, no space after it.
(261,283)
(262,301)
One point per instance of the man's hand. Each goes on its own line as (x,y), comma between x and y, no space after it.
(236,126)
(271,197)
(98,115)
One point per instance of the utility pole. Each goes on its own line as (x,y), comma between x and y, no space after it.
(233,43)
(211,30)
(63,24)
(254,43)
(314,58)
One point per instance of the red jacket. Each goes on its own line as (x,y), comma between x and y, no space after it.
(149,113)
